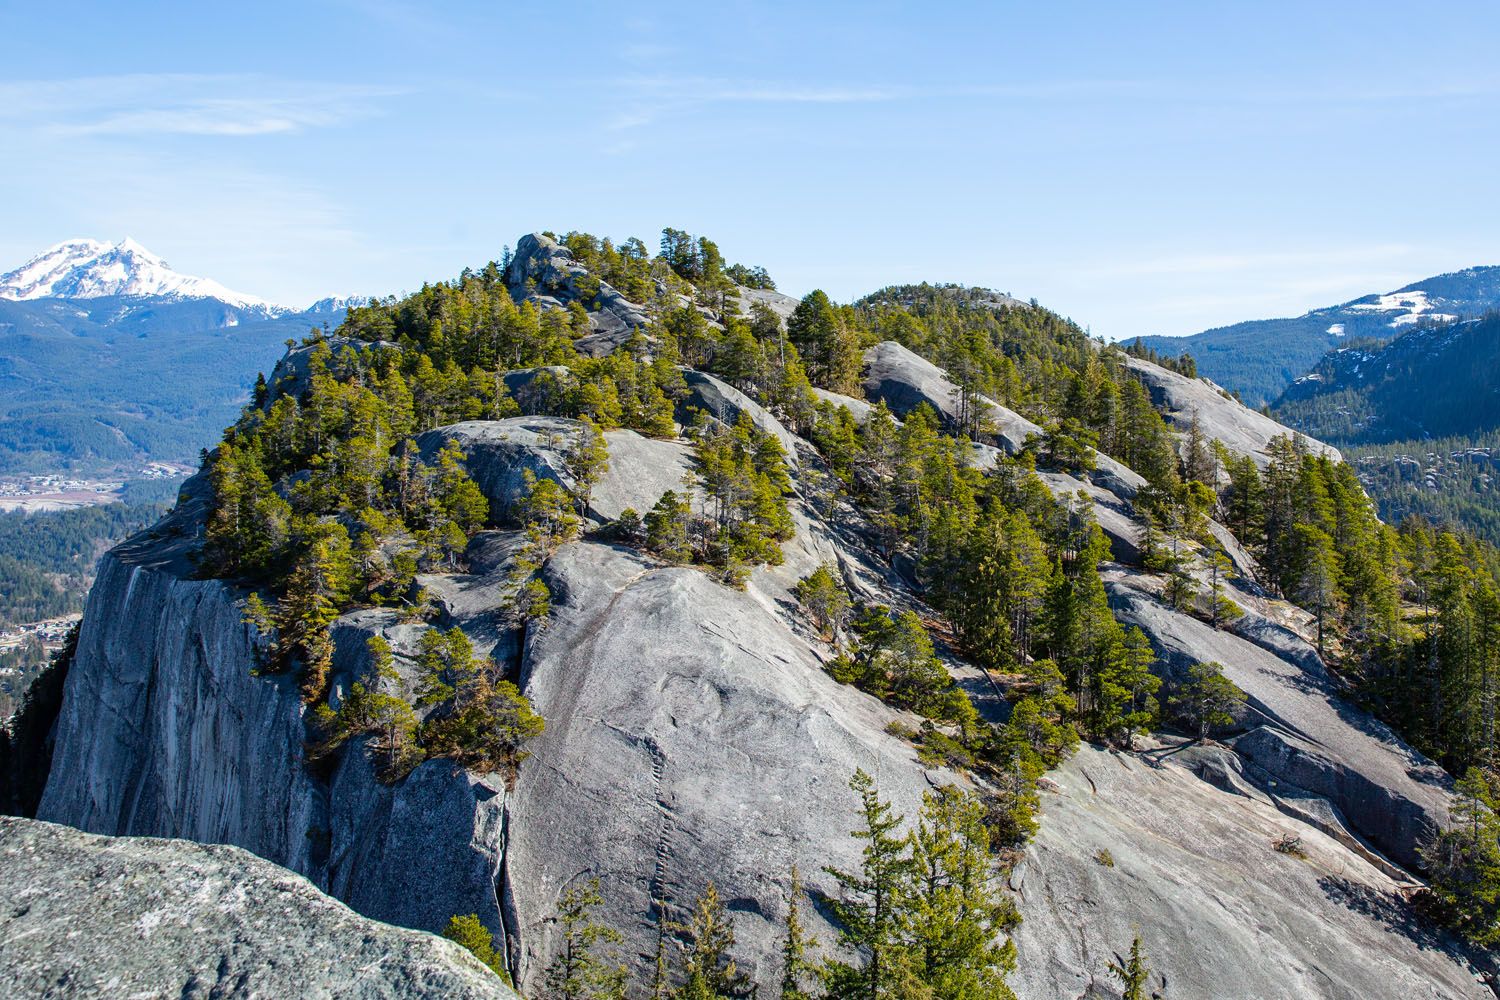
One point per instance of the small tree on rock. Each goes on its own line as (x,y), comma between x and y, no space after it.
(1207,699)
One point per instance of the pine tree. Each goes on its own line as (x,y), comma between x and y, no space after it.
(822,594)
(1133,974)
(469,932)
(667,528)
(870,911)
(955,919)
(388,713)
(584,969)
(1464,861)
(707,970)
(586,461)
(1207,698)
(797,950)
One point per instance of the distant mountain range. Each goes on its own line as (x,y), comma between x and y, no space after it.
(1260,358)
(109,358)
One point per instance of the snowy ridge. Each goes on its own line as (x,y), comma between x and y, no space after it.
(1410,306)
(91,269)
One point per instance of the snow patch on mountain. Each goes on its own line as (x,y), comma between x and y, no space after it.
(1410,306)
(92,269)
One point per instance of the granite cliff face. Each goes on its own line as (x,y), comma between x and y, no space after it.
(693,735)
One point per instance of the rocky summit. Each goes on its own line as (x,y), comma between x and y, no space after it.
(704,711)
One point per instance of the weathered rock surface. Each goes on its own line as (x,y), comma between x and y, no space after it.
(905,380)
(728,749)
(1302,734)
(725,403)
(692,735)
(858,408)
(554,276)
(1223,915)
(167,731)
(498,454)
(779,303)
(289,377)
(1240,428)
(89,916)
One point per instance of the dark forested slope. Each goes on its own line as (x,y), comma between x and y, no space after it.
(1260,358)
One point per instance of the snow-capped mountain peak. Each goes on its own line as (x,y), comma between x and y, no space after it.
(91,269)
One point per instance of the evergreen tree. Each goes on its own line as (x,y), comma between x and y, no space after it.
(586,460)
(822,594)
(1464,861)
(797,949)
(1133,973)
(583,968)
(870,910)
(667,528)
(469,932)
(707,970)
(1207,698)
(954,919)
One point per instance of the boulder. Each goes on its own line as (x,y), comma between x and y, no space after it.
(553,273)
(90,916)
(289,377)
(498,453)
(1220,416)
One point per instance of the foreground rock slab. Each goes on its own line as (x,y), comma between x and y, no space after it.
(89,916)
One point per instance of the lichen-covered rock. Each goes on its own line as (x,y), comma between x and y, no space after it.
(1220,417)
(99,917)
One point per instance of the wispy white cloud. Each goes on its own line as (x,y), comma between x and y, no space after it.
(649,98)
(224,105)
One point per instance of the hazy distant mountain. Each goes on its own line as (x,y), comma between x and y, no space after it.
(1260,358)
(110,358)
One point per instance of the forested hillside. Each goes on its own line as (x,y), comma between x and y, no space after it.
(1418,416)
(92,385)
(46,566)
(669,558)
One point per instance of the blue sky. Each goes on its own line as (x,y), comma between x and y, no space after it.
(1144,168)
